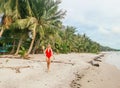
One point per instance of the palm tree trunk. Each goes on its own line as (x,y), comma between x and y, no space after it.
(13,48)
(19,44)
(36,45)
(32,42)
(1,32)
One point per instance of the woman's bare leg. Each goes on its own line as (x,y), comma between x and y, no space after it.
(48,63)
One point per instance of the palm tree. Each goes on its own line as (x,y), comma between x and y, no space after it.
(6,10)
(46,16)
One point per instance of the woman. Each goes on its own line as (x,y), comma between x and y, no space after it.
(48,53)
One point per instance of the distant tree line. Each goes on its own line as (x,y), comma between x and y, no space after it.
(106,48)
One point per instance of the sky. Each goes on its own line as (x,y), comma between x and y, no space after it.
(98,19)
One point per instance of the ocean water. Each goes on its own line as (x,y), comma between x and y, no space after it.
(113,58)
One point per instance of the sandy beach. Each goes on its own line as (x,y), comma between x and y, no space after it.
(67,71)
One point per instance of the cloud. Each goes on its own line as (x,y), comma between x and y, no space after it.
(103,30)
(116,29)
(99,19)
(109,30)
(92,12)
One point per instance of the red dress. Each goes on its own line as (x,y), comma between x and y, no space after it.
(48,53)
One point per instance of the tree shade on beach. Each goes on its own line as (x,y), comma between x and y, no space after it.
(35,23)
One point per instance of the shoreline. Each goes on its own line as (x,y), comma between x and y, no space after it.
(103,76)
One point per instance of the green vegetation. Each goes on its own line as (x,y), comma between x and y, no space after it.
(106,48)
(31,24)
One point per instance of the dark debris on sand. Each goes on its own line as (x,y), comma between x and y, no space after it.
(95,61)
(76,82)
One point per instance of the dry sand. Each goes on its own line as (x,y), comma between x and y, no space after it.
(67,71)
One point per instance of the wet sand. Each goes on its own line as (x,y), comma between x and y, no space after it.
(104,76)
